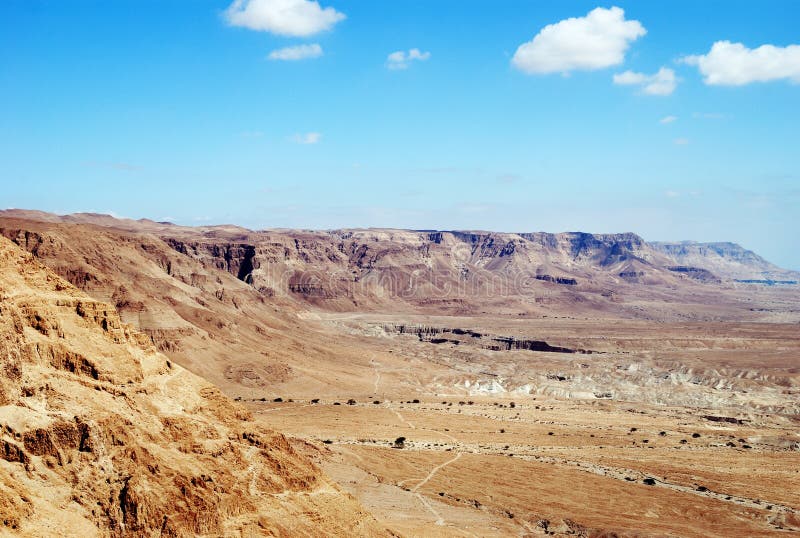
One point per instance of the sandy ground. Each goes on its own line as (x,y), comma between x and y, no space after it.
(698,450)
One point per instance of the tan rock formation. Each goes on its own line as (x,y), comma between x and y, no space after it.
(101,435)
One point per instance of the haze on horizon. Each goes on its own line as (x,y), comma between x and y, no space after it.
(672,121)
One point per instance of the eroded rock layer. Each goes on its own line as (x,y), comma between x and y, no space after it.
(100,434)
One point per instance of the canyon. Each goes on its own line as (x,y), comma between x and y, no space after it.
(543,384)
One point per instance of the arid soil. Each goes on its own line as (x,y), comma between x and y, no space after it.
(614,393)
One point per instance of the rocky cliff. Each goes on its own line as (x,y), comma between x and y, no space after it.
(102,435)
(726,260)
(451,272)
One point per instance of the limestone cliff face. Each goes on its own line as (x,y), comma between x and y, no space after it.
(727,260)
(427,271)
(363,269)
(101,435)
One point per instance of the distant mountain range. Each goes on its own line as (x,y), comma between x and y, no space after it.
(438,271)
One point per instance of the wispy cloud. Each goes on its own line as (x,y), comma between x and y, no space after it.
(306,138)
(680,194)
(299,52)
(402,60)
(681,141)
(668,119)
(662,82)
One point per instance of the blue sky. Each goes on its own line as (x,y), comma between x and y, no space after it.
(173,110)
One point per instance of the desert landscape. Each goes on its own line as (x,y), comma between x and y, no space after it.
(402,269)
(586,403)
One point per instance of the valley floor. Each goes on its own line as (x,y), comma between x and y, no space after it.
(487,469)
(493,446)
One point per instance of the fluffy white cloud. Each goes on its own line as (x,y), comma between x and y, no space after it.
(733,64)
(402,59)
(667,119)
(285,17)
(598,40)
(661,83)
(300,52)
(307,138)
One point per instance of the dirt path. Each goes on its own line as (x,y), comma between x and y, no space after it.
(404,421)
(434,471)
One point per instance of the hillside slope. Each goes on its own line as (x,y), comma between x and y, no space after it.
(103,436)
(728,260)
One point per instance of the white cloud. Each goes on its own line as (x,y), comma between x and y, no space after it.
(661,83)
(306,138)
(598,40)
(402,59)
(299,52)
(681,141)
(284,17)
(668,119)
(629,77)
(733,64)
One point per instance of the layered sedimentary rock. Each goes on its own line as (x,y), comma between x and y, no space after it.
(102,435)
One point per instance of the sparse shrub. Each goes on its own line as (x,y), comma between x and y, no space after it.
(695,435)
(702,488)
(415,400)
(684,441)
(336,403)
(512,405)
(550,433)
(377,402)
(327,442)
(662,434)
(502,430)
(315,401)
(278,400)
(400,442)
(634,429)
(351,402)
(649,481)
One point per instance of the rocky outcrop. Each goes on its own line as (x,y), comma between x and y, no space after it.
(697,273)
(726,260)
(458,336)
(103,434)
